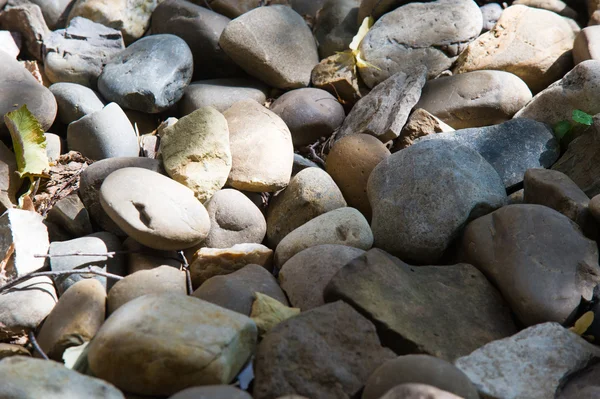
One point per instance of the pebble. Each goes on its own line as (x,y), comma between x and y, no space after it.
(53,146)
(154,210)
(301,163)
(9,350)
(10,43)
(337,74)
(417,391)
(282,51)
(491,14)
(150,75)
(55,12)
(141,257)
(585,45)
(335,26)
(235,8)
(556,6)
(420,123)
(26,19)
(212,392)
(75,101)
(221,94)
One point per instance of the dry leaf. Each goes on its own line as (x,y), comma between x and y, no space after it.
(268,312)
(583,323)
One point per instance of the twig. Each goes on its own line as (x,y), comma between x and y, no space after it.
(79,253)
(36,346)
(313,153)
(186,268)
(207,5)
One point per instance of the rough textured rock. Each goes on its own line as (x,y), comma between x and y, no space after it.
(530,364)
(273,44)
(337,74)
(586,45)
(221,94)
(196,153)
(335,26)
(429,34)
(474,99)
(75,101)
(210,347)
(542,279)
(27,19)
(444,184)
(339,350)
(393,295)
(547,37)
(420,123)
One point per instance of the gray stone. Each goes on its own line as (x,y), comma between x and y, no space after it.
(377,8)
(443,311)
(557,6)
(429,34)
(491,13)
(150,75)
(336,24)
(221,94)
(420,123)
(154,210)
(26,18)
(582,384)
(75,101)
(474,99)
(301,163)
(201,29)
(96,243)
(273,44)
(26,378)
(531,364)
(511,147)
(586,45)
(55,11)
(103,134)
(337,74)
(383,112)
(339,350)
(212,392)
(543,273)
(309,113)
(78,53)
(444,184)
(10,182)
(70,214)
(235,8)
(307,8)
(417,391)
(10,42)
(53,146)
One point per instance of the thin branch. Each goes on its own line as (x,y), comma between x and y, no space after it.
(313,153)
(79,253)
(186,268)
(36,346)
(207,5)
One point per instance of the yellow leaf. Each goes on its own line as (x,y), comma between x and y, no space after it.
(583,323)
(268,312)
(362,32)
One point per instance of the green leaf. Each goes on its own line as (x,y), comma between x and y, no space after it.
(29,143)
(268,312)
(581,117)
(562,128)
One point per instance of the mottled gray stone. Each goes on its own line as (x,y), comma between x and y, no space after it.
(221,94)
(336,24)
(75,101)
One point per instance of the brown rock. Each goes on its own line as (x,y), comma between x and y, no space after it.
(556,6)
(417,391)
(141,257)
(583,384)
(420,123)
(8,350)
(586,45)
(337,74)
(235,8)
(27,19)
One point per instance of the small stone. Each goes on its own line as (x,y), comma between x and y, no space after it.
(301,163)
(337,74)
(55,12)
(149,75)
(70,214)
(10,42)
(196,152)
(336,24)
(211,345)
(586,45)
(221,94)
(150,146)
(10,182)
(235,8)
(75,101)
(377,8)
(491,14)
(141,257)
(581,385)
(27,19)
(212,392)
(417,391)
(53,146)
(282,51)
(210,262)
(104,134)
(557,6)
(342,226)
(268,312)
(9,350)
(420,123)
(154,210)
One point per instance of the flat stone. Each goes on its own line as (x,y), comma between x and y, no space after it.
(586,45)
(335,26)
(428,34)
(212,392)
(210,262)
(342,226)
(383,112)
(273,44)
(210,347)
(150,75)
(305,276)
(103,134)
(75,101)
(339,348)
(474,99)
(221,94)
(196,152)
(10,42)
(546,36)
(420,123)
(236,291)
(311,192)
(154,210)
(78,53)
(531,364)
(394,295)
(268,166)
(37,378)
(27,19)
(511,147)
(444,184)
(581,385)
(142,257)
(337,74)
(542,273)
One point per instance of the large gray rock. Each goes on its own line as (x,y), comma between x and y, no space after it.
(444,311)
(55,11)
(543,273)
(582,385)
(531,364)
(75,101)
(511,147)
(27,19)
(150,75)
(429,34)
(221,94)
(273,44)
(443,184)
(336,24)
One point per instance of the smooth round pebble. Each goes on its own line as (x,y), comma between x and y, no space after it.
(212,392)
(75,101)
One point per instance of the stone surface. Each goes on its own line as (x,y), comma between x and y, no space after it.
(273,44)
(9,350)
(586,45)
(556,6)
(196,152)
(428,34)
(25,377)
(75,319)
(235,8)
(103,134)
(150,75)
(78,53)
(474,99)
(210,347)
(335,26)
(547,37)
(463,310)
(582,384)
(10,42)
(311,192)
(261,148)
(530,364)
(305,276)
(444,184)
(212,392)
(236,291)
(301,163)
(75,101)
(10,182)
(417,391)
(542,273)
(142,257)
(70,214)
(377,8)
(154,210)
(210,262)
(55,11)
(420,123)
(26,18)
(337,74)
(343,226)
(54,146)
(511,147)
(491,14)
(350,163)
(221,94)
